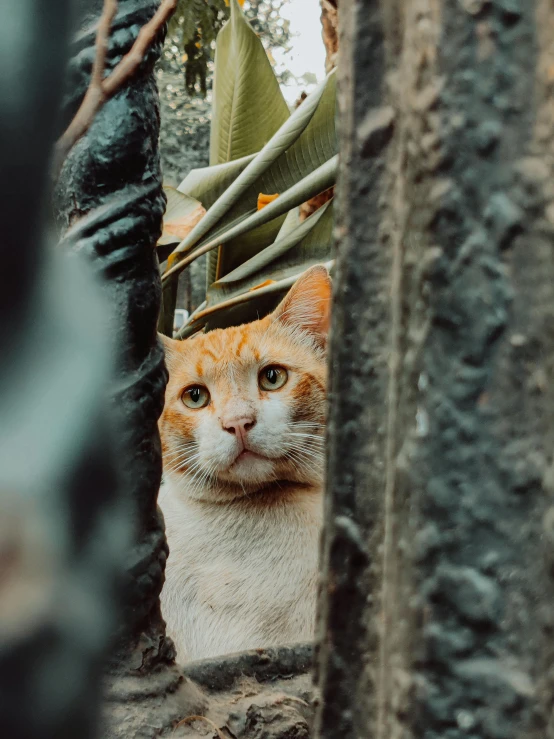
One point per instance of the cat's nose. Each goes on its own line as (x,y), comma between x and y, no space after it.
(239,426)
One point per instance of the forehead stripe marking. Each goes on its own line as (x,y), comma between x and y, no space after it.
(242,342)
(210,353)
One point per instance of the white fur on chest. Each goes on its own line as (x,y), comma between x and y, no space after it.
(240,575)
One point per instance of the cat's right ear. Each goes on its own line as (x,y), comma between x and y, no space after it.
(307,305)
(171,349)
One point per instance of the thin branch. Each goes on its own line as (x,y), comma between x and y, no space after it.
(102,34)
(101,89)
(128,65)
(94,97)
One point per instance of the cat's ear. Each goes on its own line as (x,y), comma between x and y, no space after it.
(171,349)
(307,305)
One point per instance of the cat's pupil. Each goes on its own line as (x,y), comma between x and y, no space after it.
(272,375)
(195,394)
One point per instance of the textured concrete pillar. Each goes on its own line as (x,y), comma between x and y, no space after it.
(350,598)
(437,616)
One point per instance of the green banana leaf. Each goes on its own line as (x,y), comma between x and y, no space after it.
(254,256)
(182,213)
(305,233)
(249,242)
(315,143)
(247,306)
(316,182)
(291,221)
(207,184)
(248,107)
(242,295)
(202,182)
(248,103)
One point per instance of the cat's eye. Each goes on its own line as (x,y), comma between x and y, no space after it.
(272,377)
(196,396)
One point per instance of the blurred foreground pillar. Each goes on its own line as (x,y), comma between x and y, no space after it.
(63,528)
(436,609)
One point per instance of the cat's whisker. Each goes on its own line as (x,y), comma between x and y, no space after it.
(181,446)
(305,433)
(176,460)
(309,457)
(201,475)
(191,469)
(307,423)
(182,450)
(301,466)
(301,439)
(307,448)
(299,455)
(207,474)
(195,470)
(305,438)
(181,462)
(313,460)
(304,424)
(181,456)
(300,461)
(308,437)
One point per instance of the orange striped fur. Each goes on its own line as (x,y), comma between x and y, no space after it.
(243,476)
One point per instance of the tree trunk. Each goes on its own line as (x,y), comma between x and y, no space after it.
(349,598)
(436,615)
(113,173)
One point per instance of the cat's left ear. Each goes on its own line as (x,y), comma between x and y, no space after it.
(170,349)
(307,305)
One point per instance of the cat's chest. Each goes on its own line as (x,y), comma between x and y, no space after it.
(226,554)
(240,576)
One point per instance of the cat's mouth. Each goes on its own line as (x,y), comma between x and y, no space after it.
(249,467)
(248,454)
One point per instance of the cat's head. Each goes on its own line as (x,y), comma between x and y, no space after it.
(245,406)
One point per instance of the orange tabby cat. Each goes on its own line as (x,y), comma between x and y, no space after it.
(243,446)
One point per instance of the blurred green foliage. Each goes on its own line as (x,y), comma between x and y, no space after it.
(196,23)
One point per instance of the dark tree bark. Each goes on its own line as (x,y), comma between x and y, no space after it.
(349,599)
(436,611)
(113,175)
